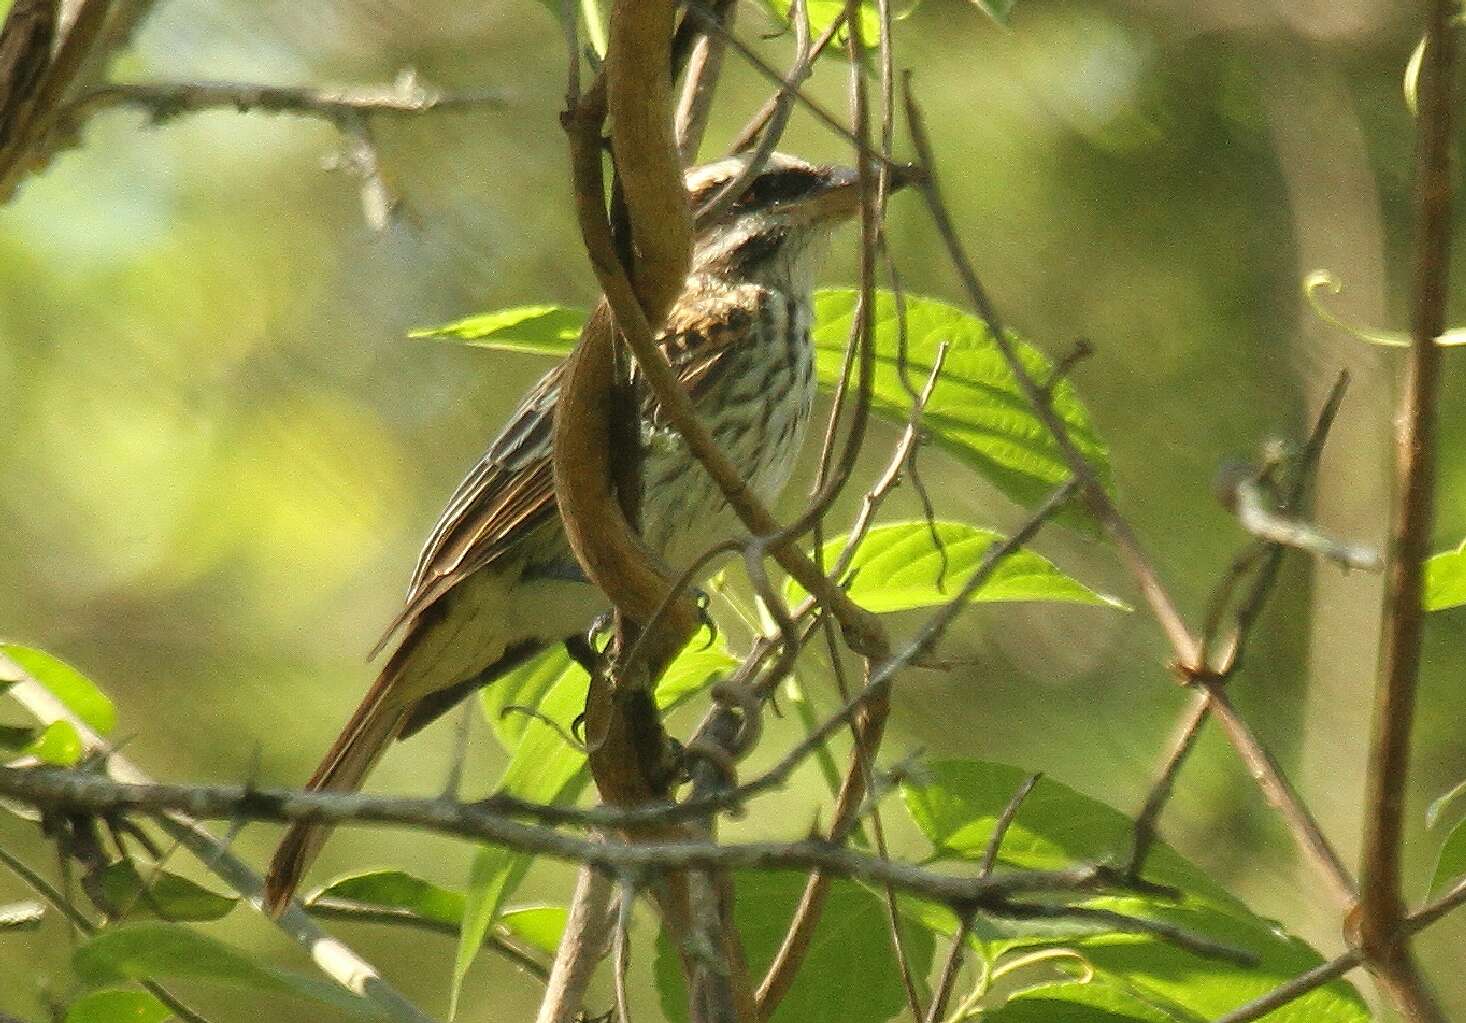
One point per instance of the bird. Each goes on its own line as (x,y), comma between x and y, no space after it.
(496,582)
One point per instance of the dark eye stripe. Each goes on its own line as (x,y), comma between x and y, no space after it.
(782,186)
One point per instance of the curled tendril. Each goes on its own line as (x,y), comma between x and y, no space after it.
(1324,281)
(1073,956)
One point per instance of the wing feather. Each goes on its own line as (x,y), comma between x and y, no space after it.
(510,493)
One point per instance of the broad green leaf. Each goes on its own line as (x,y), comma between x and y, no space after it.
(1450,867)
(850,973)
(898,568)
(544,769)
(128,895)
(823,12)
(21,916)
(1098,1000)
(977,412)
(539,927)
(956,804)
(137,951)
(58,744)
(423,901)
(67,684)
(1208,987)
(1445,579)
(1439,805)
(531,329)
(117,1007)
(395,890)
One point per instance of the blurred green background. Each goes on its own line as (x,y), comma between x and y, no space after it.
(219,453)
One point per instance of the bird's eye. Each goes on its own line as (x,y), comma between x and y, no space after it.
(781,186)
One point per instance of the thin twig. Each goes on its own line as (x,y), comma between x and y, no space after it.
(1307,834)
(1342,964)
(704,69)
(333,957)
(163,101)
(87,793)
(1100,504)
(1188,730)
(826,118)
(79,920)
(1294,989)
(1268,557)
(1003,823)
(1185,646)
(766,113)
(734,188)
(951,968)
(953,964)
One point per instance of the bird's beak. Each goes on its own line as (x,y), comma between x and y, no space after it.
(840,198)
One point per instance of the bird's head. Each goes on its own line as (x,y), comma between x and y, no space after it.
(779,226)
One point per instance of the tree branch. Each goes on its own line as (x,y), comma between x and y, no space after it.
(1382,905)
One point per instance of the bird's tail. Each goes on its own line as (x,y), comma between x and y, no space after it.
(352,756)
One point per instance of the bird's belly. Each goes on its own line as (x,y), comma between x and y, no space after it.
(758,415)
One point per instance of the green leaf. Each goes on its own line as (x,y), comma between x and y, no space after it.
(1445,579)
(127,895)
(492,875)
(531,329)
(823,12)
(395,890)
(421,900)
(956,804)
(117,1007)
(1098,1000)
(850,973)
(542,768)
(540,927)
(137,951)
(59,744)
(898,568)
(68,685)
(1450,867)
(21,916)
(977,412)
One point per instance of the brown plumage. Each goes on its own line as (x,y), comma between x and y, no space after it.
(496,581)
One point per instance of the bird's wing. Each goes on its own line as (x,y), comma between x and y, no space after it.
(510,493)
